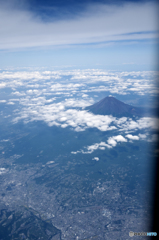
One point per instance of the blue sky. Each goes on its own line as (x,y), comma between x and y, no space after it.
(86,34)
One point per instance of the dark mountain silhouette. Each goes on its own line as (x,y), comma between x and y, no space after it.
(112,106)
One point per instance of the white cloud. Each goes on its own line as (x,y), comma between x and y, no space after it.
(132,137)
(75,152)
(142,123)
(23,75)
(55,113)
(2,85)
(148,122)
(84,95)
(17,93)
(116,82)
(5,140)
(39,108)
(37,82)
(10,103)
(90,149)
(112,142)
(38,102)
(3,170)
(119,138)
(95,158)
(99,22)
(78,102)
(50,162)
(142,136)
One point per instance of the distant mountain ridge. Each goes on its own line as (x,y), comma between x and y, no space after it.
(112,106)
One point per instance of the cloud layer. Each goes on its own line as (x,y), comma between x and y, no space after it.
(87,81)
(59,98)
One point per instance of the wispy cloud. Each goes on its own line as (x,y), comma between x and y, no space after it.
(98,23)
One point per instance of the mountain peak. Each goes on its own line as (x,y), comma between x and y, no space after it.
(112,106)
